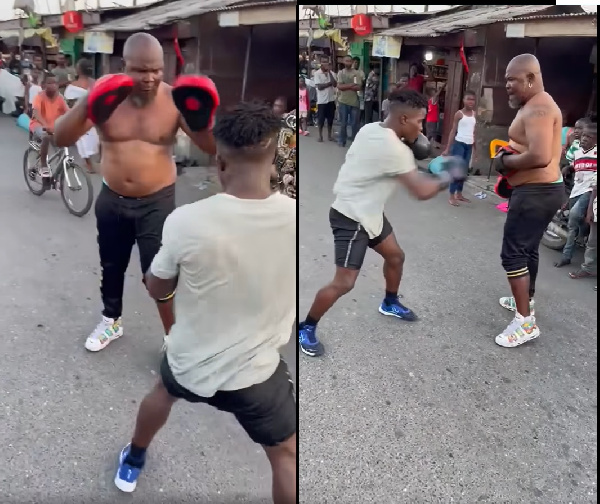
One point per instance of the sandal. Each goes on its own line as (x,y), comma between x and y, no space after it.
(576,275)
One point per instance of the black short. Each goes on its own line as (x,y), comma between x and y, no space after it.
(325,113)
(123,221)
(266,411)
(352,241)
(530,210)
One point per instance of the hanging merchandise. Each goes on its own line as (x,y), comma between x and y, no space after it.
(362,25)
(325,22)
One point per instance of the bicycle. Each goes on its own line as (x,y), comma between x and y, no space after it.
(65,174)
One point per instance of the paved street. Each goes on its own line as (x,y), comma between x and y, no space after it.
(65,413)
(435,412)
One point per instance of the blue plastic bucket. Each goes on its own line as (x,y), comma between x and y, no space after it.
(23,122)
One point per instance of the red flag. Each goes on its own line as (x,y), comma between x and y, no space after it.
(180,62)
(462,56)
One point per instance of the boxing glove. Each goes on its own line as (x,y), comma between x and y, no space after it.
(502,188)
(420,147)
(453,169)
(106,95)
(499,161)
(197,99)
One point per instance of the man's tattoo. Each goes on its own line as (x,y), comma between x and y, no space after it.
(539,112)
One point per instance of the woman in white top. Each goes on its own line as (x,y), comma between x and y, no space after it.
(89,144)
(461,142)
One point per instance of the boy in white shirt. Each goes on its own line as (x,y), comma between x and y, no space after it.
(379,161)
(585,165)
(228,256)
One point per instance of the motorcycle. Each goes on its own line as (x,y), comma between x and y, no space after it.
(555,235)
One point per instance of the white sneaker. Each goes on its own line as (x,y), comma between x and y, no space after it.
(510,304)
(519,331)
(106,331)
(165,342)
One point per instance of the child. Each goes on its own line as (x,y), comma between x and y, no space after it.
(303,106)
(385,105)
(461,142)
(433,112)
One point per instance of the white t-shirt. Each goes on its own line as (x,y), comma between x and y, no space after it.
(323,95)
(235,302)
(367,178)
(34,90)
(585,164)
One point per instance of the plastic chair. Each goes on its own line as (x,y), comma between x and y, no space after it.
(495,146)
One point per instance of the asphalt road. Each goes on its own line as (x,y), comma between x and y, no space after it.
(65,413)
(435,412)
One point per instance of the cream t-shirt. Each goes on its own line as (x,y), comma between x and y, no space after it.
(235,302)
(367,178)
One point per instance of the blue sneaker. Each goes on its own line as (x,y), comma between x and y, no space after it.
(307,338)
(398,310)
(127,475)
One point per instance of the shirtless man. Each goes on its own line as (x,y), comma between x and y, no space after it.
(532,167)
(137,116)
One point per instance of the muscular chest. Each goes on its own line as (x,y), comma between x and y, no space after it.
(516,132)
(155,124)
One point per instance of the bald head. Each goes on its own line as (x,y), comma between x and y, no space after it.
(523,79)
(144,63)
(139,44)
(525,62)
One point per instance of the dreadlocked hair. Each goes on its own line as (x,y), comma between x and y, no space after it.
(408,98)
(247,124)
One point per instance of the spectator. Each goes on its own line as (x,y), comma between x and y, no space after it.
(372,95)
(325,83)
(461,142)
(349,84)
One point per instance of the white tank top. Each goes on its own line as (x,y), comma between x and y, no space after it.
(465,129)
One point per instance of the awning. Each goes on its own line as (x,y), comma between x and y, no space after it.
(28,33)
(179,10)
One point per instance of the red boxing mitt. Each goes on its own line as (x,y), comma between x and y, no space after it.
(503,188)
(197,99)
(106,95)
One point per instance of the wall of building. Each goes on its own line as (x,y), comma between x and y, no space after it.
(272,68)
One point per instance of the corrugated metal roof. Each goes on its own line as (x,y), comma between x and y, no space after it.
(551,16)
(463,20)
(172,12)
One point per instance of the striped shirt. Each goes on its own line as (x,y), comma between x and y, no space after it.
(586,167)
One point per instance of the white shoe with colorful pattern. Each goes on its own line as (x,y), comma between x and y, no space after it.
(106,331)
(519,331)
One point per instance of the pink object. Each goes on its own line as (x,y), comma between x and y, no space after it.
(303,100)
(503,207)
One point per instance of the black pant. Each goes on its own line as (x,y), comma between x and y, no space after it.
(530,210)
(122,222)
(266,411)
(325,113)
(370,107)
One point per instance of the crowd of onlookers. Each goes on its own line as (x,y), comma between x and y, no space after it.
(48,90)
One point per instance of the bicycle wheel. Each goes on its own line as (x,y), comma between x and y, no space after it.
(76,181)
(31,160)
